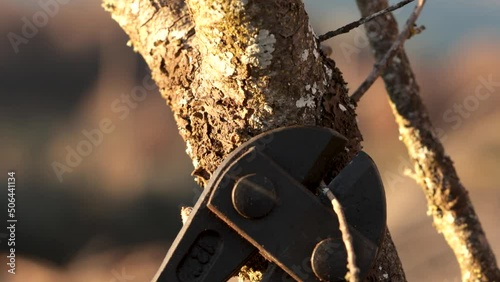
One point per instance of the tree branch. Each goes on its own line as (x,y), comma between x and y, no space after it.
(230,70)
(447,199)
(363,20)
(381,65)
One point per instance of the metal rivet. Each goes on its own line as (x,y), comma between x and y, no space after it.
(254,196)
(329,260)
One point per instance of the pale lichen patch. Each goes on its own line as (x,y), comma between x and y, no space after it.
(255,121)
(207,16)
(329,72)
(390,76)
(189,149)
(183,101)
(178,34)
(134,7)
(304,55)
(306,101)
(162,34)
(196,163)
(222,63)
(311,30)
(259,52)
(189,152)
(268,109)
(316,53)
(450,218)
(314,88)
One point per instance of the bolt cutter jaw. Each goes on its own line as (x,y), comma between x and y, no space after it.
(261,199)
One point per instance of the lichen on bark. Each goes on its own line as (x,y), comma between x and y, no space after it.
(230,70)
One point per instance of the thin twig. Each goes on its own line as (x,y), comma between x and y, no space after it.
(380,66)
(353,270)
(353,25)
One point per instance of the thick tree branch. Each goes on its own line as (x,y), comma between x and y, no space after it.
(230,70)
(448,201)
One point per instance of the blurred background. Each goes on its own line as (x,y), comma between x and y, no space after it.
(112,214)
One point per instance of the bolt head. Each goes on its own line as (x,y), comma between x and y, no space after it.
(254,196)
(329,260)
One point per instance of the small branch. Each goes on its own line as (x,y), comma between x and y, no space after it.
(353,271)
(380,66)
(363,20)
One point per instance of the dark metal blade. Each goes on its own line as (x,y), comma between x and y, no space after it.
(205,249)
(286,235)
(360,191)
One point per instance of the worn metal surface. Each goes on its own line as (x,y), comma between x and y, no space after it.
(260,199)
(360,191)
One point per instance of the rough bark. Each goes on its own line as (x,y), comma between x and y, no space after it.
(448,201)
(230,70)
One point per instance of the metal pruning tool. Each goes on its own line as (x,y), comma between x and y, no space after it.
(262,199)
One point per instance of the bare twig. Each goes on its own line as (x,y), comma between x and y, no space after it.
(353,270)
(353,25)
(380,66)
